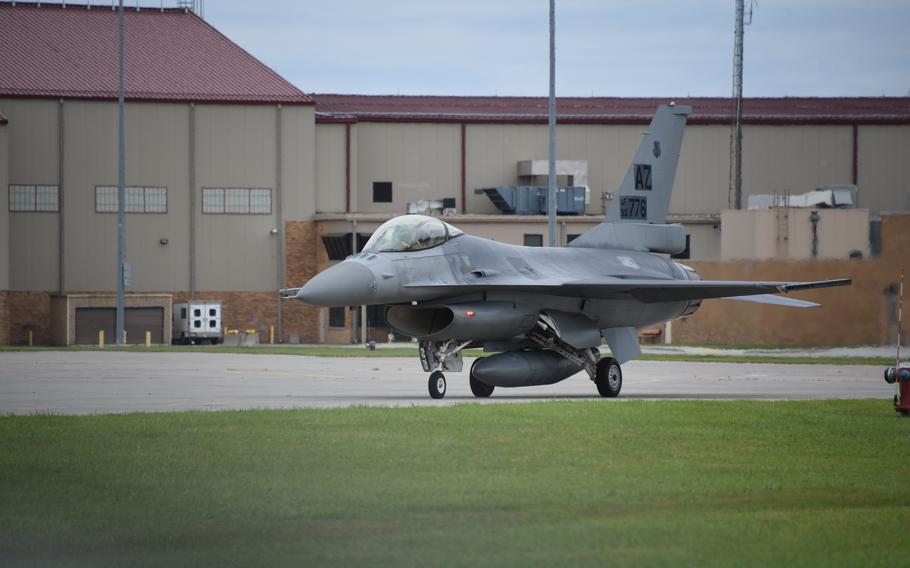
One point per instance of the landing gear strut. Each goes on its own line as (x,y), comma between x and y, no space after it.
(608,378)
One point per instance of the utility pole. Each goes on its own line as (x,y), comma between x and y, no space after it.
(120,324)
(551,122)
(735,196)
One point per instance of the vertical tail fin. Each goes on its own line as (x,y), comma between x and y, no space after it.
(644,195)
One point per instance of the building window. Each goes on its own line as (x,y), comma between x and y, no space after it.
(36,198)
(237,200)
(382,192)
(138,199)
(570,238)
(532,240)
(336,317)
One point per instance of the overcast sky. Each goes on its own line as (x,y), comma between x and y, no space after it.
(604,47)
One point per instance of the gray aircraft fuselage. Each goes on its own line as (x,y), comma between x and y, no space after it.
(467,268)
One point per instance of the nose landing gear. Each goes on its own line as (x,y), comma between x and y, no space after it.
(438,357)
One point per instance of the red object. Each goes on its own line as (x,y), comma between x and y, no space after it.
(902,404)
(902,400)
(469,313)
(172,55)
(608,110)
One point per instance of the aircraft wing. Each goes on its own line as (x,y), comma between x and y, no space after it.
(645,290)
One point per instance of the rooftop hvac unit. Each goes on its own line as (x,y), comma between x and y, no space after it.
(532,200)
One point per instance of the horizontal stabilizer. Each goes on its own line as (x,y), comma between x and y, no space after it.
(774,300)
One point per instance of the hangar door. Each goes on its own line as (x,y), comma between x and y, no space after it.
(138,320)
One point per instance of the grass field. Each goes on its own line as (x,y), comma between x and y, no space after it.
(577,483)
(408,351)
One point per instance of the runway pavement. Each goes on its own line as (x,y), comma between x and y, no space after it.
(96,382)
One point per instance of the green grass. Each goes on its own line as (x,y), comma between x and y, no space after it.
(577,483)
(408,351)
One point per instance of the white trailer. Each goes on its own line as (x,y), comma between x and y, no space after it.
(197,322)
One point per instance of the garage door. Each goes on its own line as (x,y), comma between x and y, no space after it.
(90,320)
(138,320)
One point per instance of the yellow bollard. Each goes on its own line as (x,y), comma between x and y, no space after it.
(100,338)
(271,335)
(30,338)
(148,338)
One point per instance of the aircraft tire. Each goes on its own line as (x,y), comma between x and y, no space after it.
(480,390)
(437,384)
(609,378)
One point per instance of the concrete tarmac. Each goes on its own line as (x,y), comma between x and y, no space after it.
(103,382)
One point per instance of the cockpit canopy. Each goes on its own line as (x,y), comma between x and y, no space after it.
(409,233)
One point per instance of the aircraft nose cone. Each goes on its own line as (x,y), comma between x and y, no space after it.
(345,284)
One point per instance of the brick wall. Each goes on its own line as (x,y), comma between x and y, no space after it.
(4,317)
(303,248)
(29,310)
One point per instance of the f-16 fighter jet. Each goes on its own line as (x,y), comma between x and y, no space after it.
(543,311)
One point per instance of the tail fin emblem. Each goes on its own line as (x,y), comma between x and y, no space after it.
(656,150)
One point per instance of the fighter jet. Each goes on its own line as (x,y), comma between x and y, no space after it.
(544,312)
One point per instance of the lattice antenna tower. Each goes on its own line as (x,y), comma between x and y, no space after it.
(743,18)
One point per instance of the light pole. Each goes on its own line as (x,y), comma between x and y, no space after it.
(551,122)
(119,325)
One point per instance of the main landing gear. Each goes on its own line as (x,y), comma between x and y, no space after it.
(605,372)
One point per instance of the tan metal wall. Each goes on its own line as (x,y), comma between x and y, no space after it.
(704,241)
(157,155)
(32,151)
(4,211)
(701,176)
(33,128)
(330,165)
(786,234)
(298,161)
(235,147)
(795,158)
(492,152)
(884,168)
(421,160)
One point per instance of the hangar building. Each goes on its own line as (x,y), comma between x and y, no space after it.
(239,183)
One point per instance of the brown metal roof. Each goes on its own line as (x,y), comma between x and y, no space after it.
(171,55)
(604,110)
